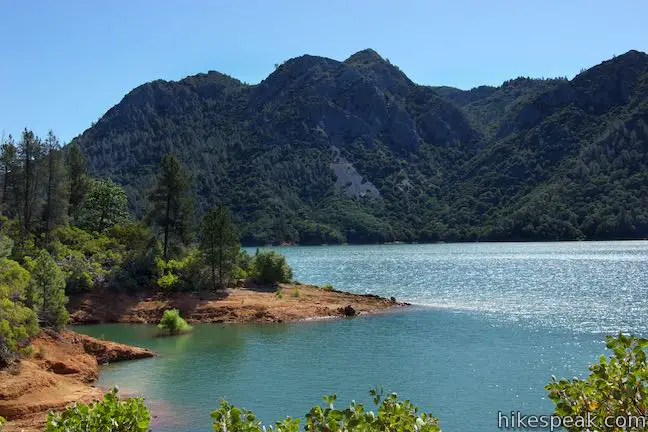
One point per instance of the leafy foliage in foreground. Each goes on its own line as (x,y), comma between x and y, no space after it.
(172,323)
(109,415)
(131,415)
(617,389)
(393,415)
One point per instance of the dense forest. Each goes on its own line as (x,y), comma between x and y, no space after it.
(324,151)
(64,233)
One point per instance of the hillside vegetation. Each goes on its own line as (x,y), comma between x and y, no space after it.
(324,151)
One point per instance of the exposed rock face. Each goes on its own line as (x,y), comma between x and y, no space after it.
(58,375)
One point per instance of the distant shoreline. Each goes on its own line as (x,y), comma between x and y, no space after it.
(401,243)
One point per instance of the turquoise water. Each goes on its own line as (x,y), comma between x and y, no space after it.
(498,320)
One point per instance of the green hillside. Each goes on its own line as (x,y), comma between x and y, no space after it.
(323,151)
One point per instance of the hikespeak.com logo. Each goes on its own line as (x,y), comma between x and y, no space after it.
(515,420)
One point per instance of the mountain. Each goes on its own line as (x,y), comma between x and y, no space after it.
(324,151)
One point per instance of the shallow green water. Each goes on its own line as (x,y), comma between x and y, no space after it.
(500,320)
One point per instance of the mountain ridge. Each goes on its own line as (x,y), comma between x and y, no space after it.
(327,151)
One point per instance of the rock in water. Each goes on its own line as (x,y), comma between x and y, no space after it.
(349,311)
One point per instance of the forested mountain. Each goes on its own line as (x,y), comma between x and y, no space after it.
(324,151)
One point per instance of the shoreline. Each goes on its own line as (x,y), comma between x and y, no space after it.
(243,304)
(63,370)
(66,365)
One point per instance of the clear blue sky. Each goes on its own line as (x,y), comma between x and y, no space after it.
(65,63)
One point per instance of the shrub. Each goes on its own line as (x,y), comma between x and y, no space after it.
(172,323)
(27,351)
(328,287)
(296,293)
(184,274)
(392,415)
(617,388)
(108,415)
(13,279)
(271,267)
(41,353)
(2,421)
(17,324)
(168,282)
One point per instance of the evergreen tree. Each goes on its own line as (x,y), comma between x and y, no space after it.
(9,166)
(105,206)
(219,245)
(172,208)
(30,153)
(78,178)
(55,200)
(47,286)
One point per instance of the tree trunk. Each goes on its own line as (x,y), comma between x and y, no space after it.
(167,222)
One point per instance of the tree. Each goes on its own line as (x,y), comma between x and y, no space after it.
(17,322)
(615,394)
(105,206)
(47,291)
(271,267)
(219,245)
(30,151)
(55,200)
(9,166)
(78,177)
(172,208)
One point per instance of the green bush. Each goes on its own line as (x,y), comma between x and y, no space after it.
(17,325)
(109,415)
(617,388)
(393,415)
(185,274)
(271,267)
(172,323)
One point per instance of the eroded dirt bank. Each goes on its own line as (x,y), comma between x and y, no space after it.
(235,305)
(61,372)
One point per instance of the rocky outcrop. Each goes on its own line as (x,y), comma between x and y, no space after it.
(58,374)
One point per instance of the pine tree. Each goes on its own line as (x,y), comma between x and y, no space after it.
(171,207)
(47,288)
(30,152)
(78,178)
(9,166)
(55,200)
(219,245)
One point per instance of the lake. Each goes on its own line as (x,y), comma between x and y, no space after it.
(494,322)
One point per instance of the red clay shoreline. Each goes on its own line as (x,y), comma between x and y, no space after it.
(67,364)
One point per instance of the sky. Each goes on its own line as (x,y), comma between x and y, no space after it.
(65,63)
